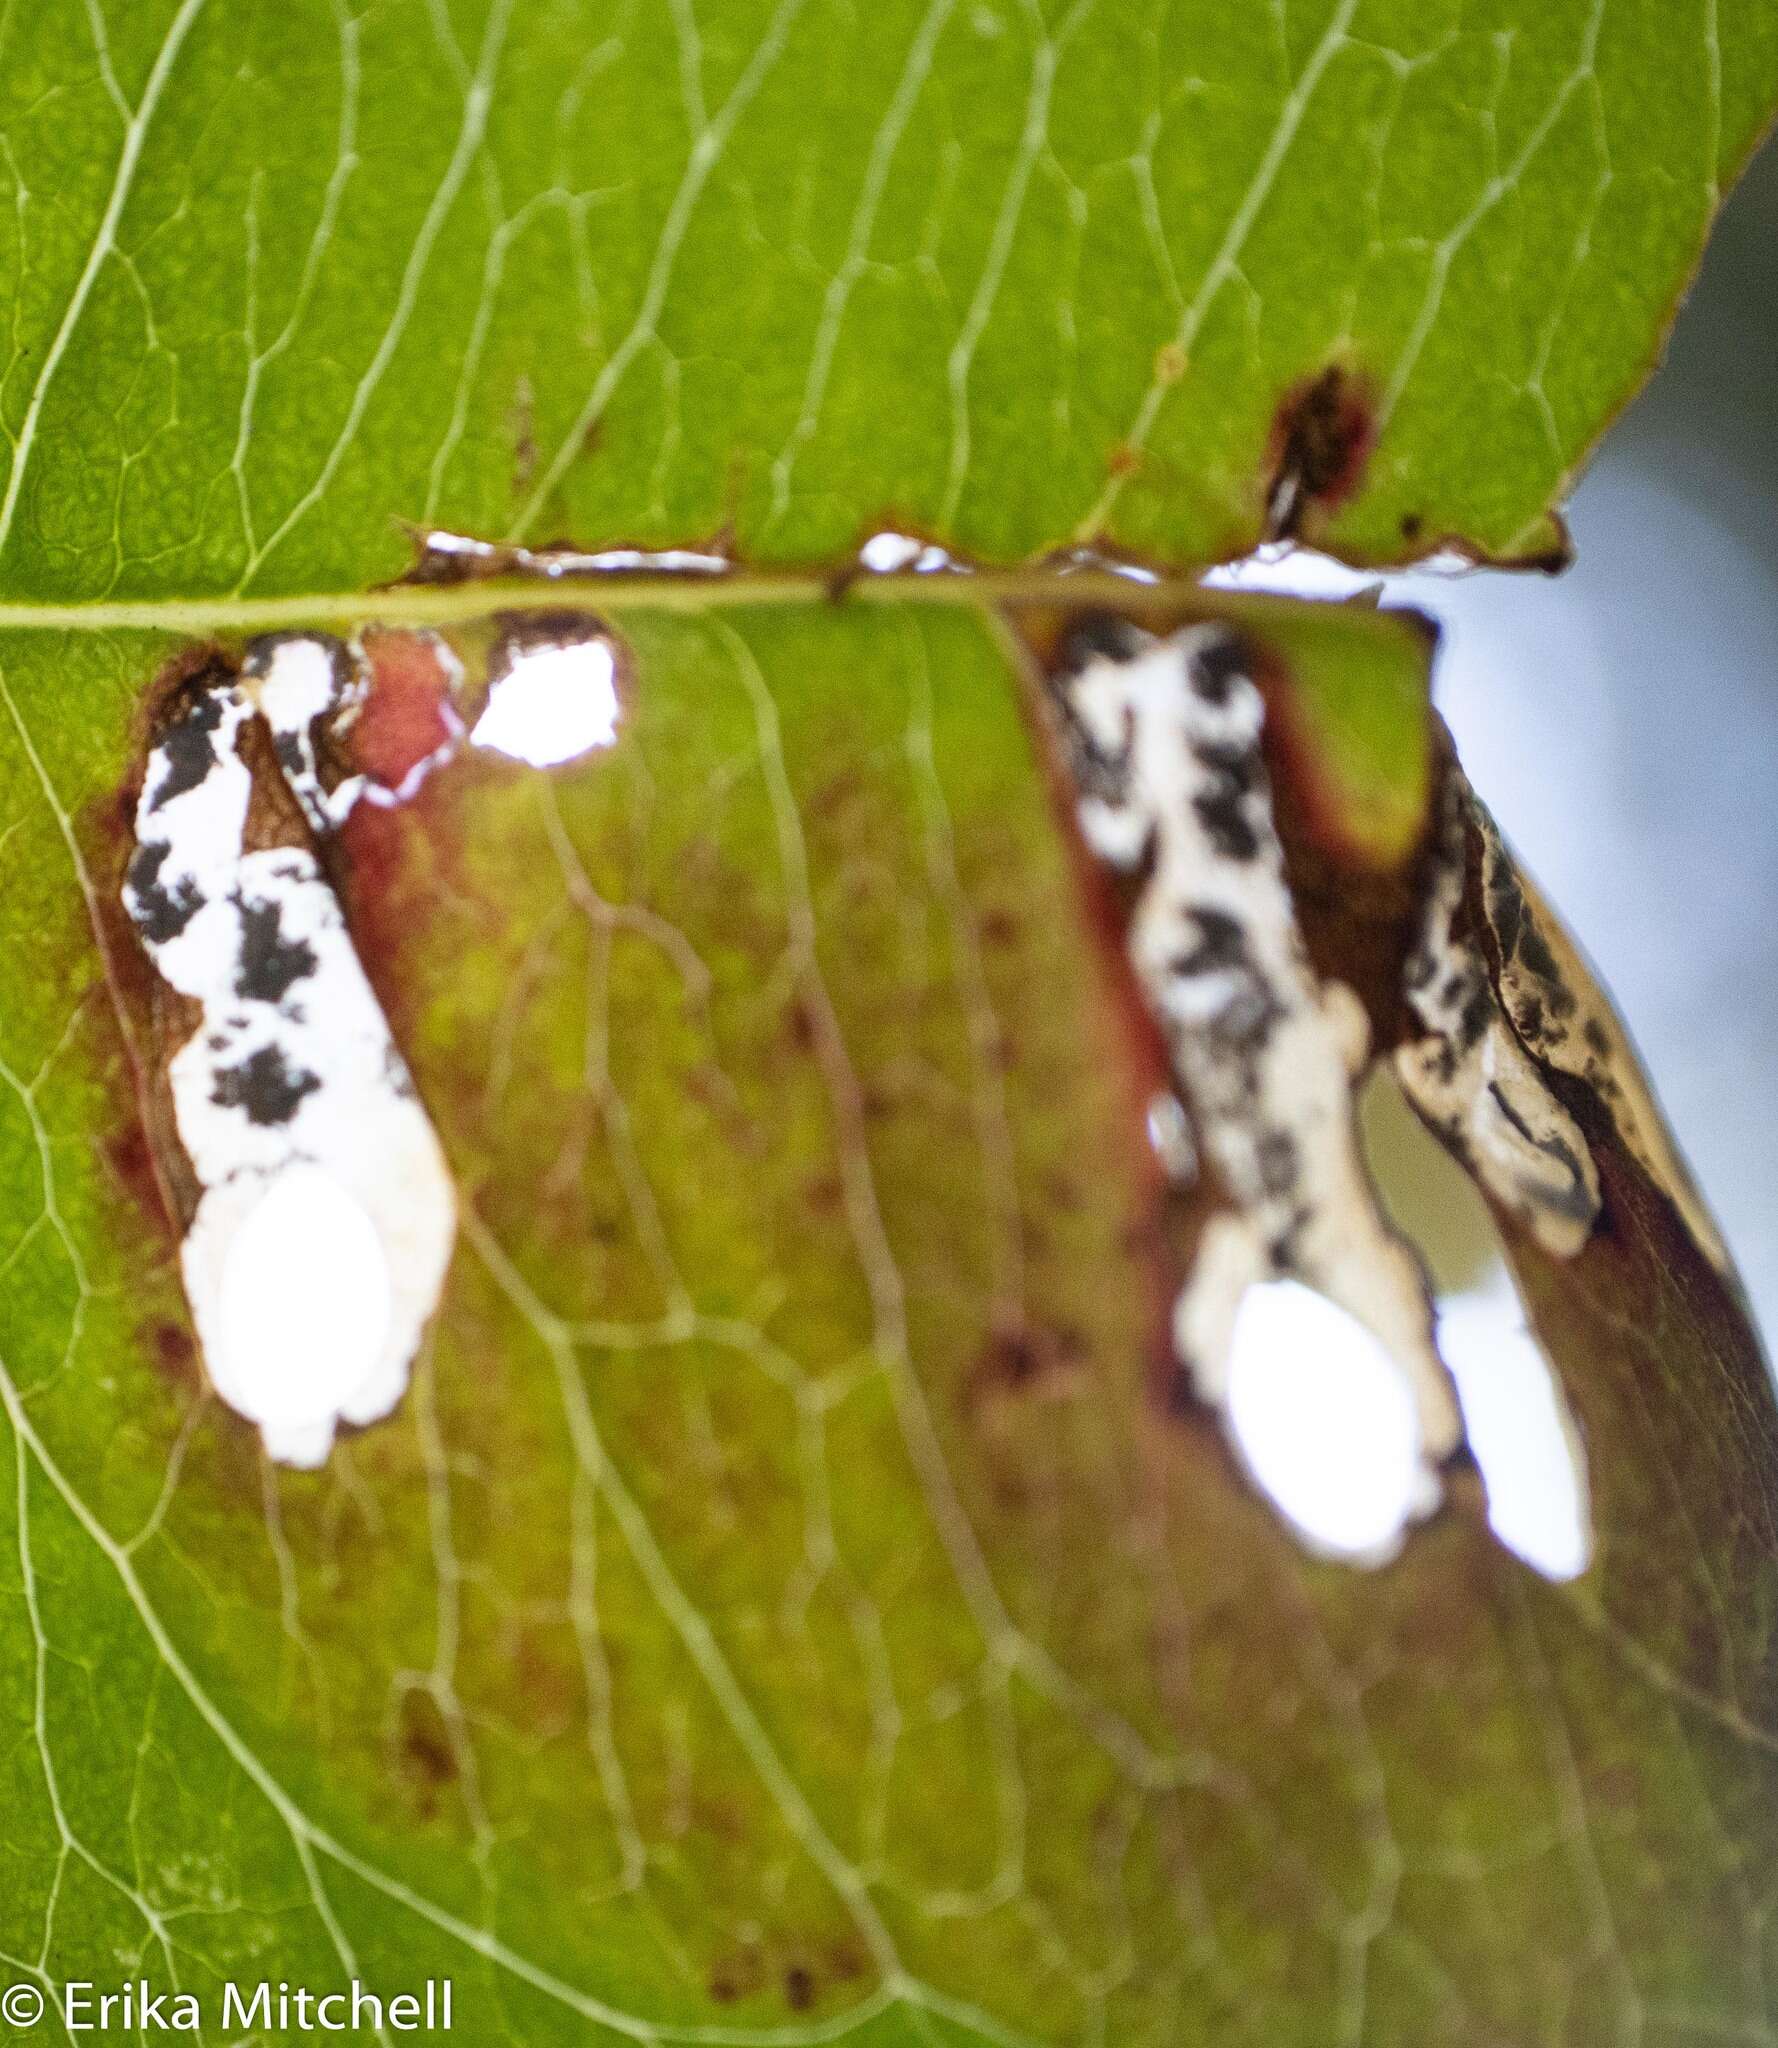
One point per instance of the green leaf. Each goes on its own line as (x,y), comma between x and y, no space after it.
(1013,274)
(790,1603)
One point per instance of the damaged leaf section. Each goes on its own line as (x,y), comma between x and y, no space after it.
(1469,1075)
(1324,435)
(1517,1422)
(445,557)
(1564,1020)
(370,720)
(325,1217)
(1163,736)
(552,692)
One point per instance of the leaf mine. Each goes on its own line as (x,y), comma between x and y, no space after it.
(441,556)
(1469,1075)
(1565,1020)
(326,1218)
(1163,738)
(832,1189)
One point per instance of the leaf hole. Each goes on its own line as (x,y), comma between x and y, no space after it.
(552,700)
(1324,1420)
(304,1308)
(1515,1415)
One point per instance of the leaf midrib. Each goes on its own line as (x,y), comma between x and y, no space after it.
(412,604)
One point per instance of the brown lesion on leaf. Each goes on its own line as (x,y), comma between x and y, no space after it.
(1356,922)
(407,714)
(797,1975)
(175,1353)
(425,1754)
(140,1145)
(1353,910)
(1165,1217)
(1322,437)
(1029,1358)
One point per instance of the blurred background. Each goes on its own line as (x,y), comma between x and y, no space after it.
(1621,721)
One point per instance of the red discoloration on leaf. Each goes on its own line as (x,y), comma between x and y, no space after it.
(408,715)
(139,1013)
(381,882)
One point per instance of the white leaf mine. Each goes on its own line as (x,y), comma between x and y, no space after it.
(448,556)
(294,680)
(1469,1074)
(326,1217)
(1164,739)
(893,554)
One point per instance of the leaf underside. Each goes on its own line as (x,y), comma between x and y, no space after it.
(786,1597)
(788,1604)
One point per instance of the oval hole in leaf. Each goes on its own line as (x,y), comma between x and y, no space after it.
(1324,1421)
(1518,1427)
(555,702)
(1514,1413)
(305,1301)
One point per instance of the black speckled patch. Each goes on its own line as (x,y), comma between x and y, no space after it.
(189,748)
(265,1086)
(1221,944)
(1215,669)
(1232,776)
(1222,811)
(161,913)
(271,964)
(1100,637)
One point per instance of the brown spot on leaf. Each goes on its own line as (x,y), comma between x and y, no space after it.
(998,929)
(736,1975)
(427,1759)
(1322,438)
(1028,1358)
(175,1352)
(1123,460)
(799,1024)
